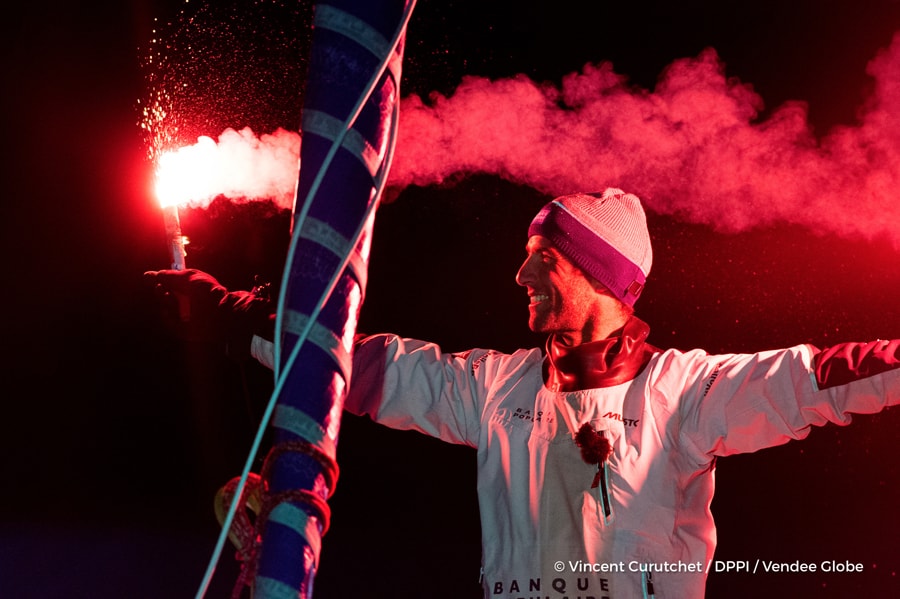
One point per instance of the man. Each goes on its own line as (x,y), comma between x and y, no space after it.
(596,455)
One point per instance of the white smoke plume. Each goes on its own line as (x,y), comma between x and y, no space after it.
(239,166)
(693,147)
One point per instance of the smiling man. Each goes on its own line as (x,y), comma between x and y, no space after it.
(596,454)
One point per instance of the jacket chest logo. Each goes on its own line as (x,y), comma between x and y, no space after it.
(620,418)
(532,415)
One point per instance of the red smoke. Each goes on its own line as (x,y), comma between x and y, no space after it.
(692,147)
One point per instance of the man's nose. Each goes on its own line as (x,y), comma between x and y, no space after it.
(525,276)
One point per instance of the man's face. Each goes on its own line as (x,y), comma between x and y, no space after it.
(563,300)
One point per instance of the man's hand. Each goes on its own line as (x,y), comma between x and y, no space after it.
(198,308)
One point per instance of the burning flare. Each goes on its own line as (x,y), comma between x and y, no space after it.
(187,174)
(239,165)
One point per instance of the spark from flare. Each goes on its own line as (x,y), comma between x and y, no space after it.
(213,65)
(203,69)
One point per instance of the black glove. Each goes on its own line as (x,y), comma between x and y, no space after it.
(198,308)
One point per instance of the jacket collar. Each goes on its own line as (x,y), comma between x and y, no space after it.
(617,359)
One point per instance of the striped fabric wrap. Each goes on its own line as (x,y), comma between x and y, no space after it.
(351,41)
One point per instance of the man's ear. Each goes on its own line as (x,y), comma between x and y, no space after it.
(602,289)
(598,286)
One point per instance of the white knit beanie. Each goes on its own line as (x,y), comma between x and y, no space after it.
(604,234)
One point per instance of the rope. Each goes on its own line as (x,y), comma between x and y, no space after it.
(246,535)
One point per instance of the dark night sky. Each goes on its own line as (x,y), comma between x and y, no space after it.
(114,436)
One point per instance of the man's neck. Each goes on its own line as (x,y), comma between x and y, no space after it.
(592,331)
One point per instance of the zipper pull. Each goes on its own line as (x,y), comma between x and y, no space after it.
(597,477)
(648,582)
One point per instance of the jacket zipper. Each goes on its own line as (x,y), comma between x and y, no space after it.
(647,583)
(604,493)
(604,487)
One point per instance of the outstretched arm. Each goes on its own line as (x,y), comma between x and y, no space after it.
(849,362)
(745,402)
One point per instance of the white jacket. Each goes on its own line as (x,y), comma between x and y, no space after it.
(646,530)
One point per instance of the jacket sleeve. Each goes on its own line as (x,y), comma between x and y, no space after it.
(412,385)
(742,403)
(408,384)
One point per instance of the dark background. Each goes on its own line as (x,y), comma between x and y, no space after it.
(114,436)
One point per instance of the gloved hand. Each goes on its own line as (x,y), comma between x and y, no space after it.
(198,308)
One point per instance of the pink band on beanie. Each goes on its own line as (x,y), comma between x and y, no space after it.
(589,248)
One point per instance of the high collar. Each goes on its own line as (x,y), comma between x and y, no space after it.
(611,361)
